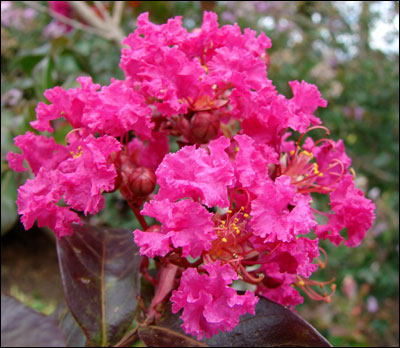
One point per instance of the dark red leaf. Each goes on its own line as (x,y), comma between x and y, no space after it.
(272,325)
(100,274)
(74,337)
(21,326)
(156,336)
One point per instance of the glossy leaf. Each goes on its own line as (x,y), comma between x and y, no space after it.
(74,336)
(21,326)
(100,274)
(157,336)
(272,325)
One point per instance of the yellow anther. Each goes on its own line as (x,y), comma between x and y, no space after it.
(224,240)
(301,283)
(242,208)
(223,222)
(205,68)
(229,211)
(306,153)
(321,174)
(237,149)
(316,171)
(292,152)
(79,147)
(236,219)
(234,225)
(246,215)
(237,231)
(71,152)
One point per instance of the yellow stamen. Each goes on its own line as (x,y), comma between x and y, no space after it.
(229,211)
(246,215)
(224,240)
(306,153)
(301,283)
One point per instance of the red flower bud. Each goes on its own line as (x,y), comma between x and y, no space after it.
(142,181)
(204,126)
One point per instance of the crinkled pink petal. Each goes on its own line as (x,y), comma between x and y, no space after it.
(209,304)
(69,104)
(118,109)
(88,173)
(239,67)
(277,286)
(251,162)
(185,224)
(279,213)
(39,151)
(37,199)
(306,99)
(352,211)
(192,172)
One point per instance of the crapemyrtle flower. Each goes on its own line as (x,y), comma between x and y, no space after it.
(209,303)
(77,173)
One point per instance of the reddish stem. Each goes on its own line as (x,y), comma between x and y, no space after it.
(139,217)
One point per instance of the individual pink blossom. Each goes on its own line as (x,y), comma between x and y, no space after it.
(280,213)
(69,104)
(352,211)
(185,224)
(114,110)
(195,173)
(36,200)
(209,304)
(117,109)
(239,67)
(306,99)
(277,286)
(78,173)
(251,162)
(38,151)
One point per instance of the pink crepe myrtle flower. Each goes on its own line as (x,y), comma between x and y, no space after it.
(179,221)
(195,173)
(113,110)
(306,99)
(351,210)
(208,303)
(77,173)
(280,213)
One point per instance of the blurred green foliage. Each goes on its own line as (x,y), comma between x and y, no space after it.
(331,44)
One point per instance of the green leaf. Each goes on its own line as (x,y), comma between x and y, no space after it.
(272,325)
(29,61)
(21,326)
(100,275)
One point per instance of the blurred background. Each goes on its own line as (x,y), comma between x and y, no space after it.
(350,49)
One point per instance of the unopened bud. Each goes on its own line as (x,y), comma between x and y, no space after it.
(204,126)
(142,181)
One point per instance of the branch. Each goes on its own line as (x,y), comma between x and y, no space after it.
(117,13)
(73,23)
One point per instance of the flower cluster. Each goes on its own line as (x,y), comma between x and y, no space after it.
(234,204)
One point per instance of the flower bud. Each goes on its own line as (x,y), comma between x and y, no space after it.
(204,126)
(142,181)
